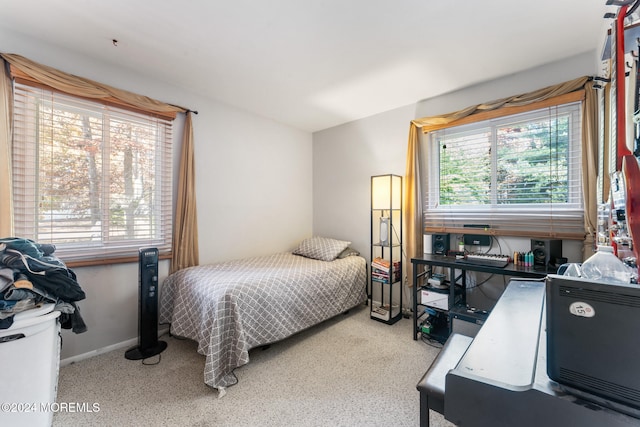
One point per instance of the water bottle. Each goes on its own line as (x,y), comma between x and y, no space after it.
(605,267)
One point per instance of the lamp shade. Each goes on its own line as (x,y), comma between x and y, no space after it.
(386,192)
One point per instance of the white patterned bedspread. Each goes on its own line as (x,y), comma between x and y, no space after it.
(231,307)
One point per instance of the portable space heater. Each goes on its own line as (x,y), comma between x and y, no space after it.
(148,343)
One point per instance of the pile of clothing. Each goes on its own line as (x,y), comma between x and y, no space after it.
(30,276)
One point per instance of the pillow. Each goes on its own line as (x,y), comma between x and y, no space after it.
(321,248)
(348,252)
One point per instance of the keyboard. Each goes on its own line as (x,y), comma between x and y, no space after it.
(488,260)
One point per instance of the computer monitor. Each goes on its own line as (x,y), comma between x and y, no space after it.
(593,337)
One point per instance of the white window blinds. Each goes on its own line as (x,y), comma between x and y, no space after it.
(519,174)
(92,179)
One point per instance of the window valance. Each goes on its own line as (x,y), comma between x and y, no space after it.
(32,72)
(427,124)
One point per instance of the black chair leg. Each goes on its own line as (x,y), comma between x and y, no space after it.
(424,410)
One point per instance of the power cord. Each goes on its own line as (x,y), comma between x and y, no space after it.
(151,364)
(430,341)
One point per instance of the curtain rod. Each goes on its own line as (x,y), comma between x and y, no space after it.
(185,110)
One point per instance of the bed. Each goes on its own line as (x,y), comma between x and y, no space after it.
(230,307)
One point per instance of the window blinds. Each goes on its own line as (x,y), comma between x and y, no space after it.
(92,179)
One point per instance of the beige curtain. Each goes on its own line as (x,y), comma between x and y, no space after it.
(430,123)
(412,202)
(86,88)
(6,201)
(185,221)
(606,182)
(590,167)
(412,179)
(185,233)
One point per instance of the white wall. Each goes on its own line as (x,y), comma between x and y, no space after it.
(346,156)
(253,185)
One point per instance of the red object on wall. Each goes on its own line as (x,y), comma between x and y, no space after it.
(621,103)
(631,174)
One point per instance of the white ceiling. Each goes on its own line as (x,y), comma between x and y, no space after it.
(314,64)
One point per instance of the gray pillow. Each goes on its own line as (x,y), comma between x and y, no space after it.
(348,252)
(321,248)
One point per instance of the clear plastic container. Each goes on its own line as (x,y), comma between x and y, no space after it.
(571,269)
(605,267)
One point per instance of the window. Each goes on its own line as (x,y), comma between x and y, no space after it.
(518,173)
(92,179)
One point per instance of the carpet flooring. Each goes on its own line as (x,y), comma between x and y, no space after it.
(347,371)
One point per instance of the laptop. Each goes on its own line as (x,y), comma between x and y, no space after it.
(593,337)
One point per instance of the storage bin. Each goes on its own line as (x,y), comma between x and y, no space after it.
(30,355)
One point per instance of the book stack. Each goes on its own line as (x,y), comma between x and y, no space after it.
(380,270)
(381,312)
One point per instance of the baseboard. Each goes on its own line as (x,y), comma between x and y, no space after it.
(124,344)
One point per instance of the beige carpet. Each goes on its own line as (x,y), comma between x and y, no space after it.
(348,371)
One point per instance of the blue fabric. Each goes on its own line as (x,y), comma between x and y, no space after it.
(26,246)
(6,305)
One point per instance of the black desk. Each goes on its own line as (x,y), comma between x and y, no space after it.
(450,262)
(502,378)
